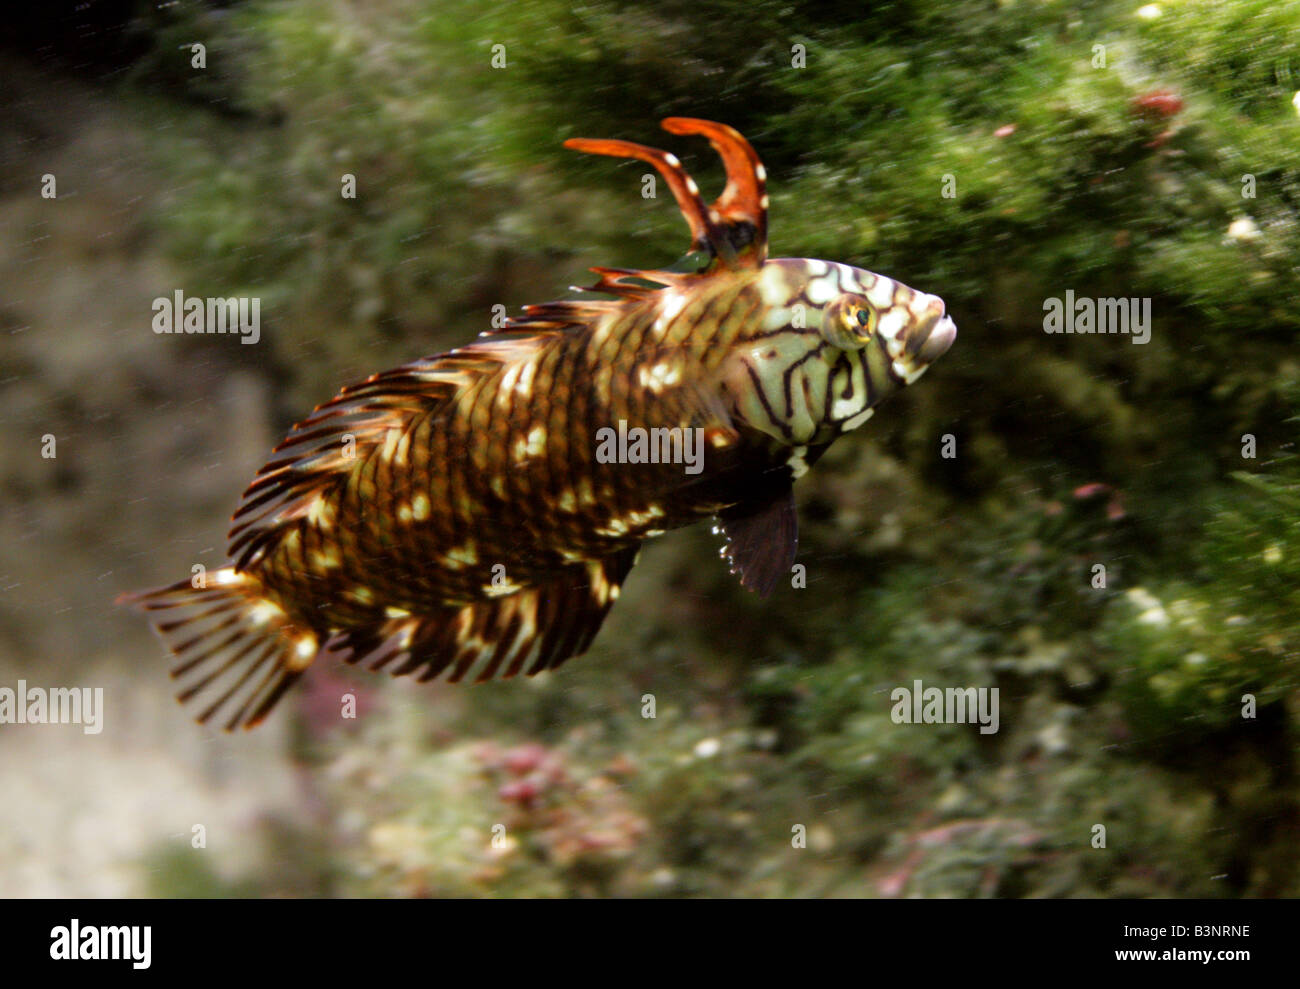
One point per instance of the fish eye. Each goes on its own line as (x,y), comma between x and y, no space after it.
(865,317)
(850,322)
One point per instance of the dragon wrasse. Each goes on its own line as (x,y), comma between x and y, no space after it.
(471,516)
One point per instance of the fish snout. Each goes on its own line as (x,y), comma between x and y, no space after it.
(938,341)
(934,331)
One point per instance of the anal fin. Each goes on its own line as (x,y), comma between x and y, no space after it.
(762,537)
(533,629)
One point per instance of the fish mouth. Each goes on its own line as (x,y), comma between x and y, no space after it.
(938,341)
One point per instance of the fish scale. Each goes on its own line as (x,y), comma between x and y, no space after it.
(468,516)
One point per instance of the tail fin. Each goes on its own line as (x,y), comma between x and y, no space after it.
(234,648)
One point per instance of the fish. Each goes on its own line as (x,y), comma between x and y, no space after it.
(473,515)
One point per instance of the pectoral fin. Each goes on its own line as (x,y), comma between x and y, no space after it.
(762,536)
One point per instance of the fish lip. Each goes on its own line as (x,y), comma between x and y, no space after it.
(938,342)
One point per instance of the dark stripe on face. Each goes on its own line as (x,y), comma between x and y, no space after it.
(830,388)
(802,331)
(786,431)
(787,383)
(865,401)
(867,383)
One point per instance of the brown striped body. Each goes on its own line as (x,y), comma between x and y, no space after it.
(461,515)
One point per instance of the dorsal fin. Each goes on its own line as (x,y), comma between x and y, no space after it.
(560,315)
(734,228)
(628,284)
(732,232)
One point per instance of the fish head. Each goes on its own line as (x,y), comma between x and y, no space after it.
(832,343)
(903,330)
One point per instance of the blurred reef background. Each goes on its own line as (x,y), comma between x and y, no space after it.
(1170,171)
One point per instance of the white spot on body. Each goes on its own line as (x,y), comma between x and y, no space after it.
(601,333)
(777,318)
(907,372)
(326,559)
(532,445)
(659,376)
(462,556)
(265,612)
(631,522)
(798,466)
(672,305)
(772,286)
(849,281)
(525,386)
(391,439)
(891,323)
(320,512)
(821,290)
(403,449)
(304,651)
(881,293)
(857,420)
(598,583)
(420,507)
(508,380)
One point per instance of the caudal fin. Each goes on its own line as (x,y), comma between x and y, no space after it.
(235,649)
